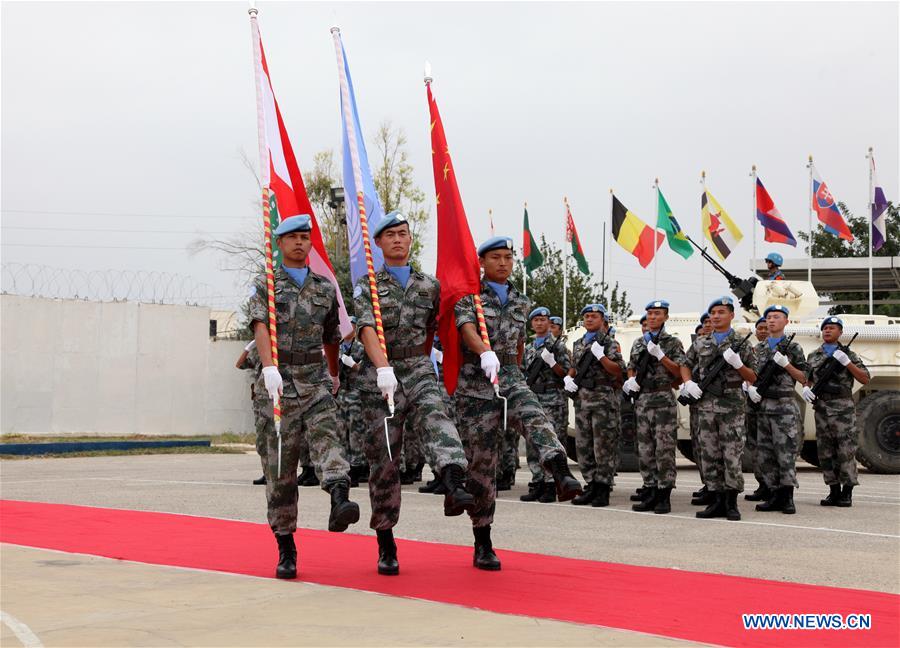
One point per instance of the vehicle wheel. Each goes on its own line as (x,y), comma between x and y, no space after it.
(686,448)
(878,423)
(809,452)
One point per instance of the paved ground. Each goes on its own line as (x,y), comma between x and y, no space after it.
(856,548)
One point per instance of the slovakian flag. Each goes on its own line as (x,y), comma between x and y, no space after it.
(282,175)
(718,228)
(572,237)
(777,231)
(879,210)
(532,258)
(457,260)
(826,208)
(633,234)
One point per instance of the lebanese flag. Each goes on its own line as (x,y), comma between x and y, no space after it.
(777,231)
(457,260)
(282,175)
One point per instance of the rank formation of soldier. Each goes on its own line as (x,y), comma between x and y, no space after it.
(735,390)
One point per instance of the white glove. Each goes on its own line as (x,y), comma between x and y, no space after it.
(250,346)
(386,381)
(780,359)
(274,383)
(439,356)
(348,360)
(569,384)
(631,385)
(733,358)
(335,384)
(808,395)
(490,365)
(754,394)
(597,350)
(841,357)
(692,389)
(547,357)
(744,386)
(655,350)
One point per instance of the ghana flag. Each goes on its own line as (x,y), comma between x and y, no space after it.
(633,234)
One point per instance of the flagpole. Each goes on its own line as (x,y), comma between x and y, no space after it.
(565,260)
(524,269)
(809,221)
(491,220)
(702,265)
(655,255)
(871,202)
(753,221)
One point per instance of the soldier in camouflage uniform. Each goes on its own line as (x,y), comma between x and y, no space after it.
(563,413)
(480,411)
(721,418)
(835,412)
(655,409)
(778,425)
(249,361)
(702,497)
(435,485)
(409,302)
(594,379)
(762,493)
(352,354)
(306,313)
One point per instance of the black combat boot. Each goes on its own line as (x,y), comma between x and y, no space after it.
(638,495)
(387,553)
(663,505)
(788,500)
(417,471)
(548,495)
(775,501)
(406,477)
(846,499)
(834,496)
(731,509)
(587,496)
(706,498)
(343,511)
(484,558)
(260,482)
(431,486)
(567,487)
(307,477)
(535,490)
(649,501)
(716,508)
(287,557)
(504,481)
(761,494)
(363,474)
(700,493)
(601,495)
(457,499)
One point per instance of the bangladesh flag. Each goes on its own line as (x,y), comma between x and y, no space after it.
(572,237)
(665,221)
(533,259)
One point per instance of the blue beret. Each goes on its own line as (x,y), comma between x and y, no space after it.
(704,317)
(612,331)
(301,223)
(775,258)
(556,320)
(657,303)
(832,320)
(594,308)
(643,318)
(777,308)
(761,320)
(353,319)
(495,243)
(724,300)
(389,220)
(537,312)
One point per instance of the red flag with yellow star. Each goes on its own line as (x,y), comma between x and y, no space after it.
(457,261)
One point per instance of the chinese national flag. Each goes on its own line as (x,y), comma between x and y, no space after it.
(457,261)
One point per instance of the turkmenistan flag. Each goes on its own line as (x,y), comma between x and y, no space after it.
(572,237)
(665,221)
(531,253)
(633,234)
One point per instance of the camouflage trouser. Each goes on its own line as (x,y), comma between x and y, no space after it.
(260,427)
(509,448)
(413,452)
(421,406)
(657,433)
(722,430)
(319,426)
(597,434)
(777,428)
(481,427)
(695,442)
(351,409)
(751,444)
(836,440)
(553,403)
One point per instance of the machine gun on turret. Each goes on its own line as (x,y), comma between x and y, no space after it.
(741,288)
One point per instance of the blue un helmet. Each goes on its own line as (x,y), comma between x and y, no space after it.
(775,258)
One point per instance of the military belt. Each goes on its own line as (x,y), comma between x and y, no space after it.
(401,353)
(543,389)
(779,394)
(733,384)
(589,383)
(653,390)
(506,359)
(299,358)
(842,393)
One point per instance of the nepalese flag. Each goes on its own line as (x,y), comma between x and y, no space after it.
(777,231)
(879,211)
(718,228)
(826,208)
(282,175)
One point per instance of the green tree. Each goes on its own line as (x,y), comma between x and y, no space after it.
(545,287)
(828,246)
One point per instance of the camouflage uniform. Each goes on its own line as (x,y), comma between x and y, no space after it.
(835,413)
(252,364)
(778,423)
(409,316)
(307,318)
(481,412)
(751,439)
(721,418)
(350,404)
(656,412)
(597,412)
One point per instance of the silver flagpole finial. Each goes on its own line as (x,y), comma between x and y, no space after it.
(428,77)
(252,10)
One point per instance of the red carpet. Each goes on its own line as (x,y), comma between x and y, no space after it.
(689,605)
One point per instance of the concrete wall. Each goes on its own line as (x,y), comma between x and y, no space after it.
(78,367)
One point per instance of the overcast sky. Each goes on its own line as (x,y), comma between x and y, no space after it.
(127,116)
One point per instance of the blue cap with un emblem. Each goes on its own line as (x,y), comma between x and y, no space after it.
(301,223)
(391,219)
(725,300)
(832,320)
(556,320)
(495,243)
(594,308)
(776,308)
(657,303)
(539,312)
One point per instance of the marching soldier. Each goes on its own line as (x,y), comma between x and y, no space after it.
(598,368)
(351,355)
(249,361)
(480,411)
(774,261)
(750,444)
(409,302)
(721,418)
(306,312)
(835,412)
(556,328)
(656,411)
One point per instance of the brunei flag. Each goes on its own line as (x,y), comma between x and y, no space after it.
(633,234)
(718,227)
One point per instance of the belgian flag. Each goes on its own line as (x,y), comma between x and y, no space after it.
(633,234)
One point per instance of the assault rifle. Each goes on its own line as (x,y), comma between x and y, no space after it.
(708,384)
(769,372)
(741,288)
(829,370)
(584,363)
(534,369)
(645,361)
